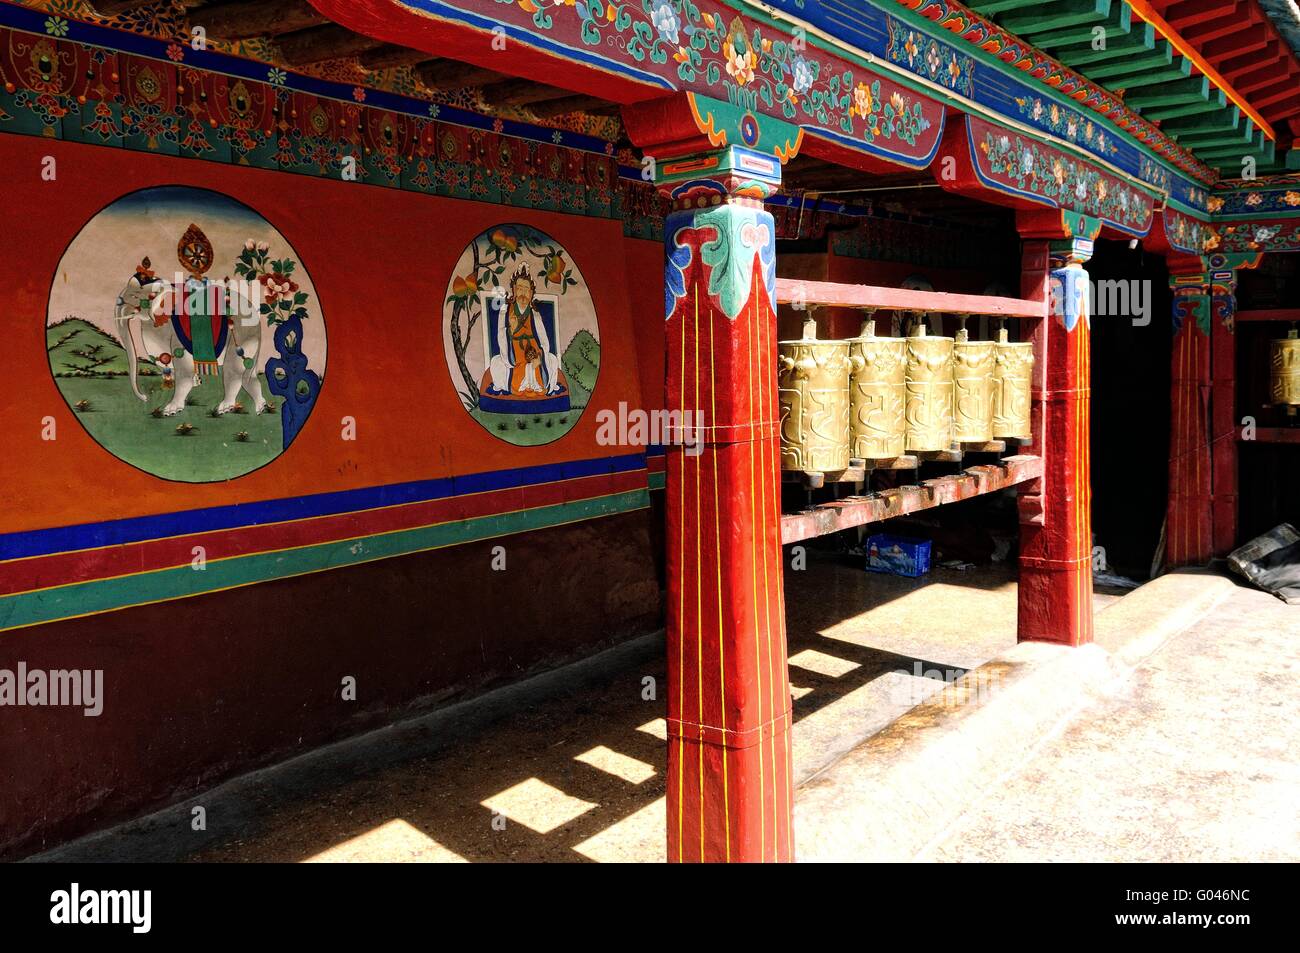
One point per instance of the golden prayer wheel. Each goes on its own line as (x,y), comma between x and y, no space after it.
(1012,380)
(1284,371)
(972,381)
(877,395)
(929,391)
(813,390)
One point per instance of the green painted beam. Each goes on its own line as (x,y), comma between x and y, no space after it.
(1229,139)
(1118,23)
(1141,37)
(1293,159)
(1159,58)
(1226,120)
(1179,69)
(1219,153)
(1193,89)
(991,8)
(1054,16)
(1216,102)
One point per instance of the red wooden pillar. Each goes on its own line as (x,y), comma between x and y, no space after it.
(1223,412)
(730,787)
(1188,528)
(1055,591)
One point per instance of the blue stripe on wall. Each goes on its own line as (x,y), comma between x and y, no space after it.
(61,539)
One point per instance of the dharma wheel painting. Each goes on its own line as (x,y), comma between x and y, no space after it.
(521,337)
(185,334)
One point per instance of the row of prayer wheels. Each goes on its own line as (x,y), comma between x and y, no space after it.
(1284,371)
(877,398)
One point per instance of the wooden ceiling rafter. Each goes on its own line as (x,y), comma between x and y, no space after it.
(1178,64)
(246,19)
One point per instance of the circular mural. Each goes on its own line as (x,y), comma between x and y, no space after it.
(521,337)
(185,334)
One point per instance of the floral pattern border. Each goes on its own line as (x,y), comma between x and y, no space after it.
(927,57)
(1026,166)
(984,33)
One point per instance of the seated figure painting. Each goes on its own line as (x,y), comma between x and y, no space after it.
(524,372)
(521,335)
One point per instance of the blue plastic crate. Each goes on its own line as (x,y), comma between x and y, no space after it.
(897,555)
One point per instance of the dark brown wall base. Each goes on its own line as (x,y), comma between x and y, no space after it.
(199,690)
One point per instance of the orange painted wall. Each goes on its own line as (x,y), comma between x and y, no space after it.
(380,259)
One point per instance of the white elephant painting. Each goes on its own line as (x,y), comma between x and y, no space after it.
(184,333)
(145,310)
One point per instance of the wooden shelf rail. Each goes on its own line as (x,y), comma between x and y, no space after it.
(1274,435)
(1271,314)
(851,511)
(830,294)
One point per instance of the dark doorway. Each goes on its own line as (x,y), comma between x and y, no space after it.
(1131,341)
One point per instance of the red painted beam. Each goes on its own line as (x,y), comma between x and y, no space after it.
(1262,78)
(854,511)
(1287,89)
(1270,314)
(1182,15)
(1238,44)
(1231,22)
(1240,65)
(1274,435)
(797,291)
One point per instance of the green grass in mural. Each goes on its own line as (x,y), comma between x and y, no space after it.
(581,363)
(527,430)
(79,349)
(210,450)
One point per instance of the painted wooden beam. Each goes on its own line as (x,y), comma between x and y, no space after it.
(1193,89)
(1190,12)
(570,104)
(1160,104)
(1270,314)
(1286,89)
(1158,59)
(1289,435)
(1232,20)
(111,8)
(245,19)
(1231,69)
(1055,16)
(991,8)
(1180,68)
(829,294)
(1262,78)
(1225,120)
(451,74)
(852,511)
(320,43)
(389,56)
(1236,45)
(1139,38)
(518,92)
(1177,112)
(1263,153)
(1118,22)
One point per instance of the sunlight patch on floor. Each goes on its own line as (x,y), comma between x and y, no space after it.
(537,805)
(639,837)
(822,664)
(618,764)
(393,841)
(657,728)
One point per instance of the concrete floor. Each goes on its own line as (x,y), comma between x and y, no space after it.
(1194,760)
(569,767)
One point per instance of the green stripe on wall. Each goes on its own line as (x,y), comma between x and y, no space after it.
(657,481)
(104,595)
